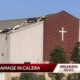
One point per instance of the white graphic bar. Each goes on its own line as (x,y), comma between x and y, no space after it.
(67,68)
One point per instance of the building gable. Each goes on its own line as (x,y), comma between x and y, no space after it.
(52,37)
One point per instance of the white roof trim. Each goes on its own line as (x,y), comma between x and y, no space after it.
(24,27)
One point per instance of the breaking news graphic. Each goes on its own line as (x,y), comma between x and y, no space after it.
(54,68)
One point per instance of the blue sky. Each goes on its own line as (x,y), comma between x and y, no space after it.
(16,9)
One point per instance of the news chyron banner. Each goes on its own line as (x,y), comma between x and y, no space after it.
(54,68)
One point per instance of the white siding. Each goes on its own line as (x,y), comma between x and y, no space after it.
(26,45)
(2,76)
(4,56)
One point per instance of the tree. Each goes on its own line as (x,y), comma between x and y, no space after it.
(76,58)
(57,56)
(27,76)
(31,76)
(41,77)
(78,76)
(15,78)
(69,77)
(76,53)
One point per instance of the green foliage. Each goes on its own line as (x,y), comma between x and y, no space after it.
(58,56)
(71,76)
(76,58)
(78,76)
(76,53)
(15,78)
(41,77)
(56,76)
(31,76)
(27,76)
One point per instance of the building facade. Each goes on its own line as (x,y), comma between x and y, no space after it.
(32,40)
(61,29)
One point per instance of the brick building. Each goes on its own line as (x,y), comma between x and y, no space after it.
(60,29)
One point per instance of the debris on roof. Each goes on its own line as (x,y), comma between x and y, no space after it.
(31,20)
(16,27)
(41,18)
(23,24)
(36,19)
(6,30)
(1,31)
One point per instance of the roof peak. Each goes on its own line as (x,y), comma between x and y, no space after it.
(62,12)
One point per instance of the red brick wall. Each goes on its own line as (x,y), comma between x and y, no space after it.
(52,38)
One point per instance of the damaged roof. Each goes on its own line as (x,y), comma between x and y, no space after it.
(7,25)
(10,23)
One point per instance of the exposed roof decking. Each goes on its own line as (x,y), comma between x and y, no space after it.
(11,23)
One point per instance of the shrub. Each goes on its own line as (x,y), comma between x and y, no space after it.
(27,76)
